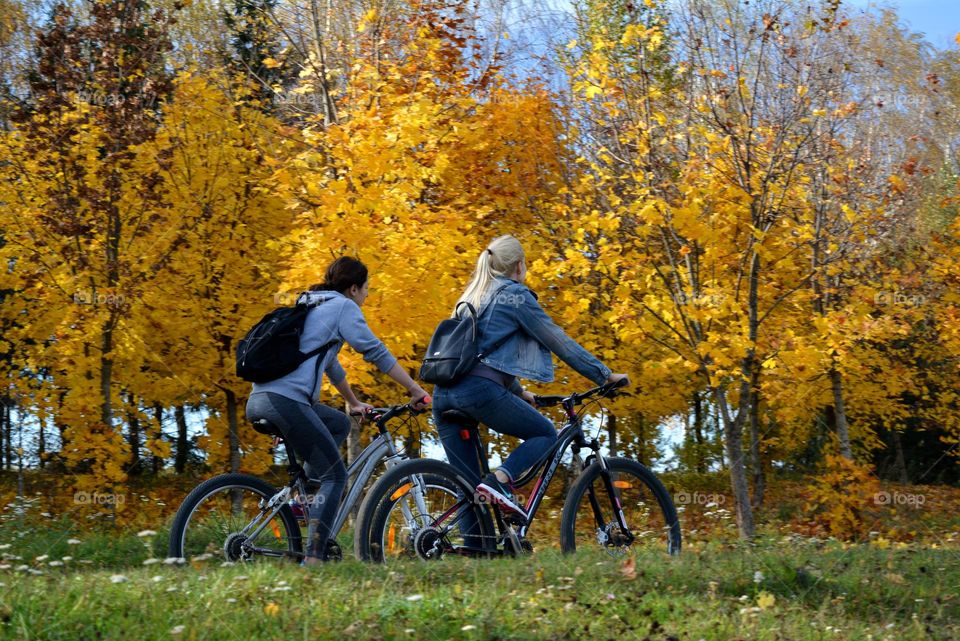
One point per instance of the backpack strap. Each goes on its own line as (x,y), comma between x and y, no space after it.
(321,351)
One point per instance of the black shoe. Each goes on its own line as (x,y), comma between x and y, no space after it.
(500,494)
(333,552)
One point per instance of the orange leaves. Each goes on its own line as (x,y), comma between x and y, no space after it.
(843,497)
(897,184)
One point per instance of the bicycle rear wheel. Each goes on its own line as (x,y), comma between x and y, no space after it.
(422,508)
(590,512)
(216,518)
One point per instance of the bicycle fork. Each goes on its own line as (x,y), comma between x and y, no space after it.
(602,534)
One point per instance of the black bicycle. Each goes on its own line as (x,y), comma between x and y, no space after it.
(616,503)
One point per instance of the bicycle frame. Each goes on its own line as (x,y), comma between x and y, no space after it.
(571,434)
(359,472)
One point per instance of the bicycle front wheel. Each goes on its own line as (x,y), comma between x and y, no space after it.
(422,508)
(593,508)
(227,516)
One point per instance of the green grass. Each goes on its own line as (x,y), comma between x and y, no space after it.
(819,589)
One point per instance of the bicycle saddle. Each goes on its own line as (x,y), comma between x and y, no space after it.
(264,426)
(459,418)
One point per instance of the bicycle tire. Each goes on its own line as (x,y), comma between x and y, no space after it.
(618,465)
(376,506)
(181,520)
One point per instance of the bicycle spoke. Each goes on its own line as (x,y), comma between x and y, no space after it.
(230,519)
(620,513)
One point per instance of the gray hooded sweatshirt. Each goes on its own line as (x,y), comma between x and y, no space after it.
(337,318)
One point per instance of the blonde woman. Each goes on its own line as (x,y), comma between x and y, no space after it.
(516,338)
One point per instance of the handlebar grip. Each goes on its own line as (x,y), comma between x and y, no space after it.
(547,400)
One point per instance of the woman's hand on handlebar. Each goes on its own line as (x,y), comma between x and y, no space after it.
(419,399)
(359,408)
(616,379)
(529,397)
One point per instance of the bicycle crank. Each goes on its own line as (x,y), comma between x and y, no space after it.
(427,543)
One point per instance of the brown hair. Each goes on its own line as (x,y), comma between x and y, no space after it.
(342,274)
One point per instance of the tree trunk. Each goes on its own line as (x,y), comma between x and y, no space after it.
(718,430)
(733,443)
(233,428)
(700,462)
(756,463)
(180,462)
(840,413)
(42,443)
(106,372)
(234,437)
(136,464)
(353,438)
(642,436)
(157,461)
(612,434)
(4,436)
(901,463)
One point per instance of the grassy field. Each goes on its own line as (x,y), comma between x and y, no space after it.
(779,588)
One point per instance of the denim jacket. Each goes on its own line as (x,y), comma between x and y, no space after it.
(527,336)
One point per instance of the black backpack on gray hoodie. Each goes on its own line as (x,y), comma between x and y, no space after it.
(271,349)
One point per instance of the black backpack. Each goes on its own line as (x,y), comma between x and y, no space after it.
(453,350)
(271,349)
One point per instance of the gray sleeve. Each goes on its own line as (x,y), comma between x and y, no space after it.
(335,371)
(515,387)
(355,331)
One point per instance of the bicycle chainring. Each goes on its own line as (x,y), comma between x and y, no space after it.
(427,543)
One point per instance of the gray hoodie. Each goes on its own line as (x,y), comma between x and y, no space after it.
(337,318)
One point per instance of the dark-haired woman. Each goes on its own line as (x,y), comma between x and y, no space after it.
(291,402)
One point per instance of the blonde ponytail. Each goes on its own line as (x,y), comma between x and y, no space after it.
(500,258)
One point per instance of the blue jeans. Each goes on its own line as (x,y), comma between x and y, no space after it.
(500,410)
(315,432)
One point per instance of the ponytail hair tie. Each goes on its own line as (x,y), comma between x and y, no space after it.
(489,252)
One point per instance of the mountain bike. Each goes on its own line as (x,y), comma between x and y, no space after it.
(616,503)
(243,517)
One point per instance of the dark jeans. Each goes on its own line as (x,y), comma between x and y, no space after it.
(500,410)
(315,432)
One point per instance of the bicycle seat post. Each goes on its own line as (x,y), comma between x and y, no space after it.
(474,436)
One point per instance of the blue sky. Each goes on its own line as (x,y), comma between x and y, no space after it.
(939,20)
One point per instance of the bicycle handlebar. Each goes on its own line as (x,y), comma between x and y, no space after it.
(381,415)
(605,390)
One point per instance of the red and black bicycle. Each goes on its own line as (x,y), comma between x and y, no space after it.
(615,503)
